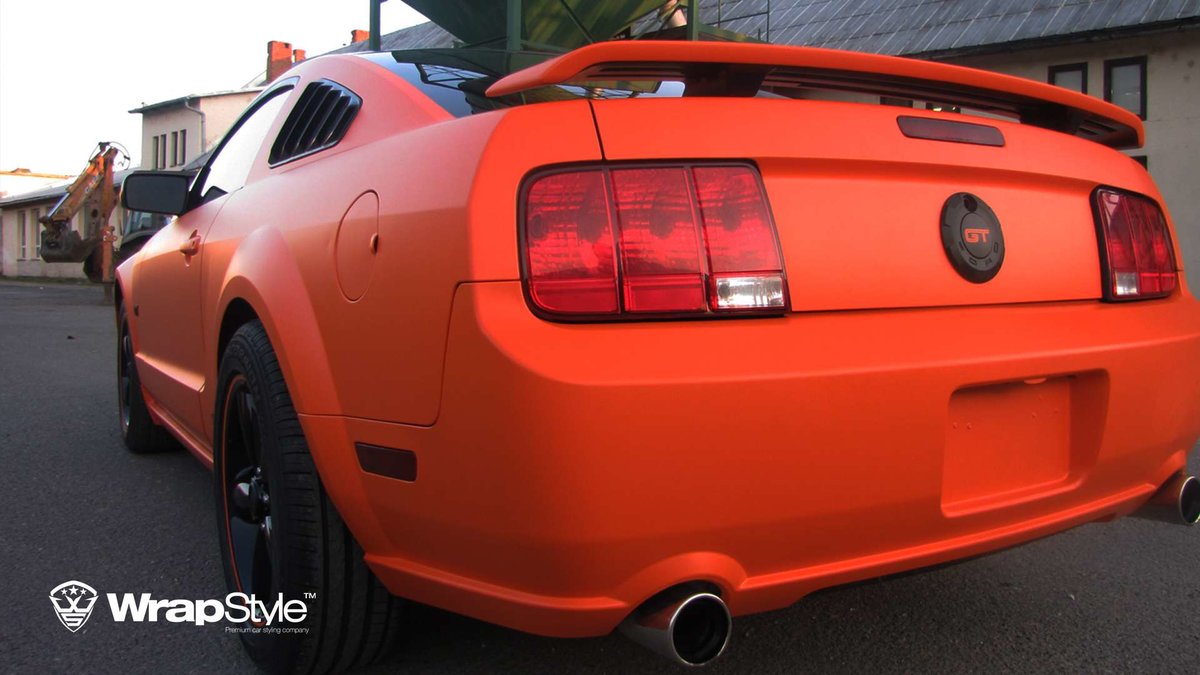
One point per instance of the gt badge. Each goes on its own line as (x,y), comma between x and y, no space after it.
(972,237)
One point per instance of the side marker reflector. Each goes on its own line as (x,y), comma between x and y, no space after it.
(388,462)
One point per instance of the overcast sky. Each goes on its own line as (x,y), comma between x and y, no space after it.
(70,70)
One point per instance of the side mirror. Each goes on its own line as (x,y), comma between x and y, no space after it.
(156,191)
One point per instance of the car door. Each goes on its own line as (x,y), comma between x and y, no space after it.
(168,272)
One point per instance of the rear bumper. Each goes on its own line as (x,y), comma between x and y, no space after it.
(576,470)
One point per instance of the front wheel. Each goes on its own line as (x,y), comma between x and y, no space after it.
(138,430)
(278,530)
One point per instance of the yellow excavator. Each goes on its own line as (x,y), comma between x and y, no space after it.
(92,194)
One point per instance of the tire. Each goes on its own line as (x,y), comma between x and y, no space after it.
(279,532)
(138,430)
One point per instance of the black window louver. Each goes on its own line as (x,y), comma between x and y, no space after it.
(319,120)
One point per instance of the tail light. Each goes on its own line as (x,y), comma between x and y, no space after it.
(1139,261)
(651,241)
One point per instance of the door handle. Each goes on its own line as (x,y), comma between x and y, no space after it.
(190,247)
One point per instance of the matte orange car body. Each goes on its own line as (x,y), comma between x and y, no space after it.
(567,472)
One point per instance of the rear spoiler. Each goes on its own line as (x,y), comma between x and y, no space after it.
(741,69)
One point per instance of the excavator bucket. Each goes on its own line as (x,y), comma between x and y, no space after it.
(92,195)
(64,245)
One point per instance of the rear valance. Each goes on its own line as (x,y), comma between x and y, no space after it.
(733,69)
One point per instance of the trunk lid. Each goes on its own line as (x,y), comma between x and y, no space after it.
(868,199)
(859,205)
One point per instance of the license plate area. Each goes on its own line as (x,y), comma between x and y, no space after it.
(1012,442)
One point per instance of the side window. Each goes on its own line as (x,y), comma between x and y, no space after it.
(227,171)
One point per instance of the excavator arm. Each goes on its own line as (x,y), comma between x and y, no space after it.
(92,194)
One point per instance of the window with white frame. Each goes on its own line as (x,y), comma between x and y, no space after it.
(29,234)
(22,235)
(35,233)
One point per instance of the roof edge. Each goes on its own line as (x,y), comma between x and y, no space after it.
(1099,35)
(55,192)
(192,97)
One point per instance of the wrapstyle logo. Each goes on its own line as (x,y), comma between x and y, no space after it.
(238,608)
(73,602)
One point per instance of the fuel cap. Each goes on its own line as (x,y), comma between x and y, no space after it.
(972,238)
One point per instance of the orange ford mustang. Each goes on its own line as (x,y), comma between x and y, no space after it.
(649,335)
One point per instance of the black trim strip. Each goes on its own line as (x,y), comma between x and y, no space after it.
(949,130)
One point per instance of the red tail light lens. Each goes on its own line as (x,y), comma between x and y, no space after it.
(743,253)
(660,252)
(570,256)
(690,240)
(1139,257)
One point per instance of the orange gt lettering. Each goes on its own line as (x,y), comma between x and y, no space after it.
(974,235)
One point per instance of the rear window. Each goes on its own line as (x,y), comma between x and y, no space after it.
(458,79)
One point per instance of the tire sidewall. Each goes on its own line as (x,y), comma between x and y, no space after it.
(141,435)
(273,651)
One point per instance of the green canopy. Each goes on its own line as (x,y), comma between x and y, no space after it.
(557,24)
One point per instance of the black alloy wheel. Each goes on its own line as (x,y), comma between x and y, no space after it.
(247,498)
(280,534)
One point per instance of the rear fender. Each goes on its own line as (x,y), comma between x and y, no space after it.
(263,274)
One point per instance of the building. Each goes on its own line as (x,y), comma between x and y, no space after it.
(20,180)
(21,233)
(177,131)
(1144,56)
(177,135)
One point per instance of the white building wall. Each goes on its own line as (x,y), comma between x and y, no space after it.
(1172,114)
(221,112)
(13,263)
(158,123)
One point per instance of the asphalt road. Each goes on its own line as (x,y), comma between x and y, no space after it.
(1118,597)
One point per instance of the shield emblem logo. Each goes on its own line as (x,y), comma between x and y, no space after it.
(73,602)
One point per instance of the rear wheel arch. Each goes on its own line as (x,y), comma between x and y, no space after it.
(265,277)
(263,282)
(244,305)
(267,486)
(238,312)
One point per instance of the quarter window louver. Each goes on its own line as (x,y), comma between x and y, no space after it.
(319,120)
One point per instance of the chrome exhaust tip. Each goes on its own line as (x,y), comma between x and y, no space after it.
(689,628)
(1177,502)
